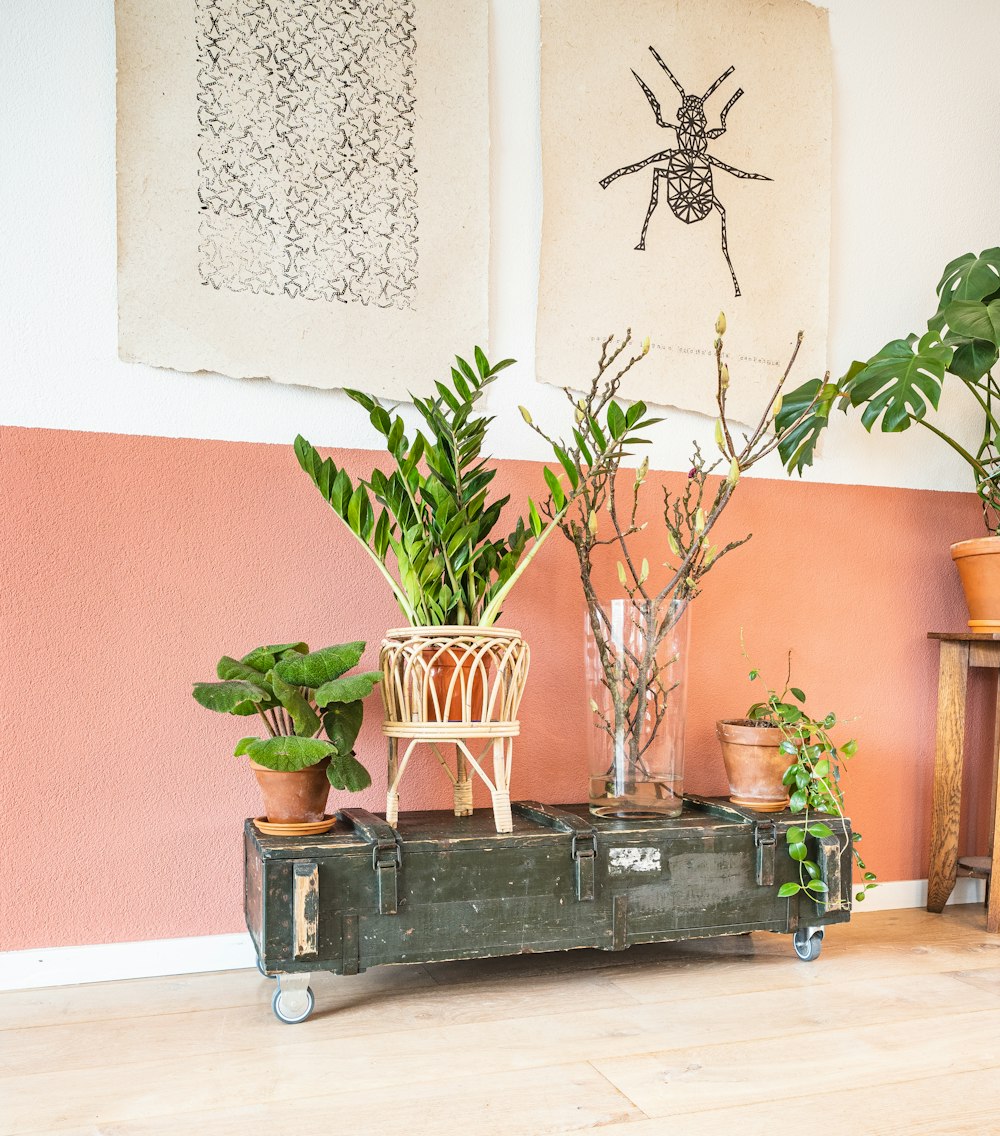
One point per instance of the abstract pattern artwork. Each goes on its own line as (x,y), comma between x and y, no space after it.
(296,187)
(307,163)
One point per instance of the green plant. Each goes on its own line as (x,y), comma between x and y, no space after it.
(432,514)
(812,779)
(298,694)
(898,384)
(601,517)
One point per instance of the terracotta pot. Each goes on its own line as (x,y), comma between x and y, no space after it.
(754,764)
(469,679)
(978,563)
(297,797)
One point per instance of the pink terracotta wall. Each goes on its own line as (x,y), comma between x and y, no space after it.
(132,563)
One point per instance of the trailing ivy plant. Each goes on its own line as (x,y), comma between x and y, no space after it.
(812,779)
(299,695)
(432,516)
(900,383)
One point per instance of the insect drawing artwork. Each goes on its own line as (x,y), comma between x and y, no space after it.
(687,168)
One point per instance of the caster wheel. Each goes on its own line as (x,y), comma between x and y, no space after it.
(293,1006)
(260,968)
(808,944)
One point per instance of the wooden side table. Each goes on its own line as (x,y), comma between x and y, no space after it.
(959,651)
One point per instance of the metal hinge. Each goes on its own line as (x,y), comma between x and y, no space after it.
(765,837)
(584,851)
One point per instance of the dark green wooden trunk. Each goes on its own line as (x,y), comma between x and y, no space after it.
(445,887)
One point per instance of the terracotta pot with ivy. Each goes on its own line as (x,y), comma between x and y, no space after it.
(790,760)
(902,383)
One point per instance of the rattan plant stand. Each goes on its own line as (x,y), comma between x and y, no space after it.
(454,686)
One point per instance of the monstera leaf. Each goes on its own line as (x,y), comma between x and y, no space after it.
(799,435)
(900,382)
(319,667)
(970,277)
(975,319)
(286,754)
(235,697)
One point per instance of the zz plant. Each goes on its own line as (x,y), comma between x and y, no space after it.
(906,378)
(311,707)
(812,779)
(432,516)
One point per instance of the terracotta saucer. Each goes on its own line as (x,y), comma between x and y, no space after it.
(305,828)
(760,806)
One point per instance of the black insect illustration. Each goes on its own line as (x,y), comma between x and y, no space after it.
(688,168)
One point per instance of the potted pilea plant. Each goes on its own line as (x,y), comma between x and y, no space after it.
(312,711)
(793,763)
(636,642)
(903,381)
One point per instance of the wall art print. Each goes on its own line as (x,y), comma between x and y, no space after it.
(686,167)
(295,188)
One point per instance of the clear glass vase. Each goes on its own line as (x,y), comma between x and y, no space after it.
(636,660)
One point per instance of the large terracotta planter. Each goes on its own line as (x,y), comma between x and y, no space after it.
(297,797)
(754,764)
(978,563)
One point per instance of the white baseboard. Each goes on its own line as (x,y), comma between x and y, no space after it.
(157,958)
(107,962)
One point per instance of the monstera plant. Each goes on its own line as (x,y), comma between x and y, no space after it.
(904,382)
(312,711)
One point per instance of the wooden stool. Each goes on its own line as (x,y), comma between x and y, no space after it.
(959,652)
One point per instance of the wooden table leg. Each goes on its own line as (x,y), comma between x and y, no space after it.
(948,759)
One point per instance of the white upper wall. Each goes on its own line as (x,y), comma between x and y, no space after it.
(916,139)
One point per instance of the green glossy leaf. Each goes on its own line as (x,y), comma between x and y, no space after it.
(616,420)
(286,754)
(242,746)
(975,319)
(348,689)
(970,277)
(796,692)
(345,772)
(342,723)
(795,835)
(900,382)
(558,495)
(974,359)
(788,747)
(797,851)
(797,802)
(849,749)
(788,889)
(817,886)
(804,415)
(319,667)
(234,697)
(822,768)
(820,830)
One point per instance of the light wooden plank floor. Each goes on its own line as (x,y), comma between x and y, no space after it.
(895,1029)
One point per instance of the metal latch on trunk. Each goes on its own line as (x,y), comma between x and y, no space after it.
(387,860)
(765,837)
(584,850)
